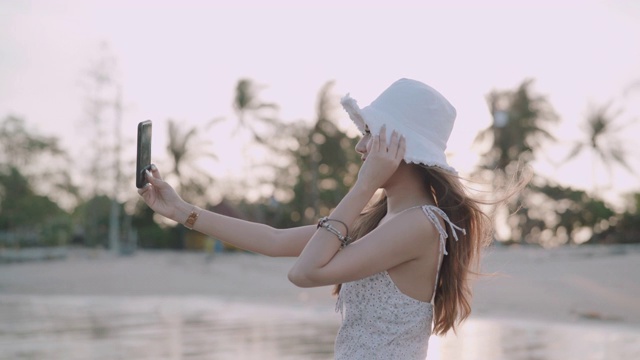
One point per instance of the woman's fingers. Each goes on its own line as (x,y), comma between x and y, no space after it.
(144,189)
(153,176)
(395,149)
(155,171)
(148,193)
(402,147)
(375,144)
(393,144)
(383,138)
(150,178)
(397,146)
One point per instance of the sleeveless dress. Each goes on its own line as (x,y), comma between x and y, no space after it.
(379,321)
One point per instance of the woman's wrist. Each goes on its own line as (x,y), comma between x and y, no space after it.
(363,187)
(182,212)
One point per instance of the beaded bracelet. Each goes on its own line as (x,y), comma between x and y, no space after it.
(344,239)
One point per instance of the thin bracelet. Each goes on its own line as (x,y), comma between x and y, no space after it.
(344,239)
(192,218)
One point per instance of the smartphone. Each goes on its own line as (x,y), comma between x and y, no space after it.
(143,161)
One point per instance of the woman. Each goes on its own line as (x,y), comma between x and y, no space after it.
(404,261)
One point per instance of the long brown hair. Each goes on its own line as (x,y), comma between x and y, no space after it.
(453,291)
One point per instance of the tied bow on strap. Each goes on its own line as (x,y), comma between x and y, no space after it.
(431,212)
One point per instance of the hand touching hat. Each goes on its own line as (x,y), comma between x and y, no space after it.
(414,110)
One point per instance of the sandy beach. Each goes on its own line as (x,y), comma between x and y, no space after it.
(597,283)
(565,289)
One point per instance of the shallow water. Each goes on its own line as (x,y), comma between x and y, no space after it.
(82,327)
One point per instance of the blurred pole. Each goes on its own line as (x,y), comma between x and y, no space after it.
(114,216)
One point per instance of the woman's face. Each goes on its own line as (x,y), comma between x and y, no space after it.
(361,146)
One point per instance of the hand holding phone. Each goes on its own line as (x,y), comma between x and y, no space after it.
(143,161)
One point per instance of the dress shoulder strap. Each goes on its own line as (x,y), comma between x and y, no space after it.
(432,212)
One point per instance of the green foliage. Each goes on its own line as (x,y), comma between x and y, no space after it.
(327,166)
(626,227)
(19,147)
(252,113)
(39,159)
(32,219)
(93,215)
(550,214)
(29,167)
(185,147)
(322,167)
(520,121)
(150,234)
(315,166)
(565,212)
(519,128)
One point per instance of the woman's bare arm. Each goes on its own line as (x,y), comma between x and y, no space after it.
(322,262)
(247,235)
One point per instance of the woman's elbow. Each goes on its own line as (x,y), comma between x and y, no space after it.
(300,279)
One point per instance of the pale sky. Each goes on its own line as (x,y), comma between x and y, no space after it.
(181,60)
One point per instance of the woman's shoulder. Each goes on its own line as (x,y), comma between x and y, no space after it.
(438,221)
(416,221)
(424,212)
(430,212)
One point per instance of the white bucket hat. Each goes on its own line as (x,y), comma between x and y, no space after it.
(414,110)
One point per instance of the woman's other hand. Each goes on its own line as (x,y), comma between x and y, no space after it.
(382,159)
(160,196)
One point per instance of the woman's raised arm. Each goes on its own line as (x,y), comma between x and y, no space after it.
(247,235)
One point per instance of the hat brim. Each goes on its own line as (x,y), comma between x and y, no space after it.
(350,105)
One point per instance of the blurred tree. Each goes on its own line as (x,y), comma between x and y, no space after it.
(185,148)
(558,215)
(33,180)
(627,228)
(150,234)
(519,126)
(38,158)
(601,140)
(253,114)
(20,147)
(24,212)
(321,166)
(327,164)
(266,140)
(98,209)
(520,119)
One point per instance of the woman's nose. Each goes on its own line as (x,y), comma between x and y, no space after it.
(361,146)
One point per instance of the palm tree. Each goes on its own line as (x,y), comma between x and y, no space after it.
(268,136)
(250,111)
(185,147)
(602,141)
(326,161)
(518,129)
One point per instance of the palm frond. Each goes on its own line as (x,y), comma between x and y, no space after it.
(620,157)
